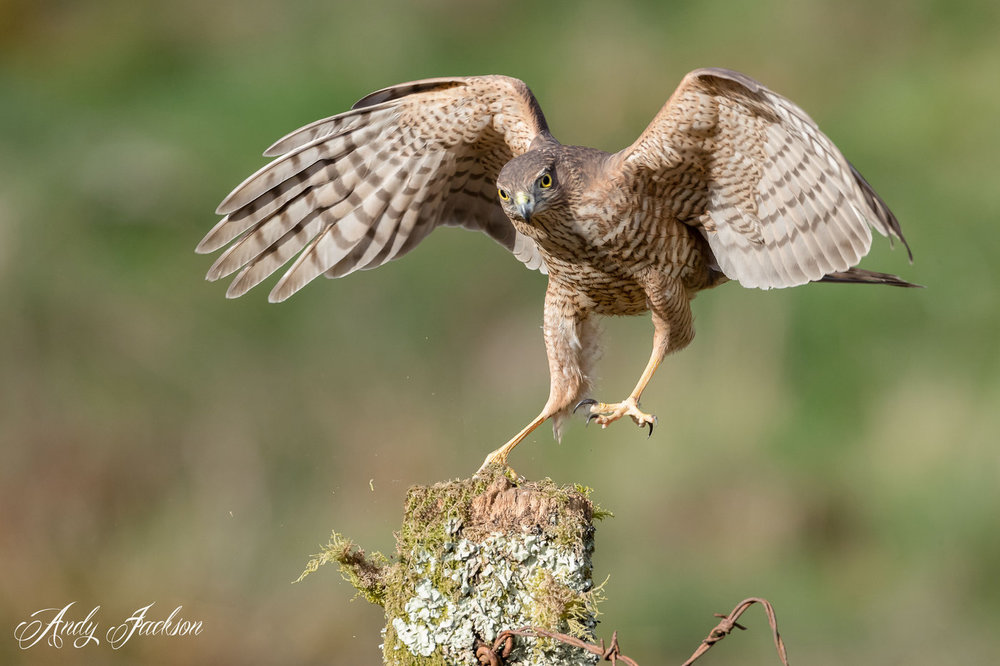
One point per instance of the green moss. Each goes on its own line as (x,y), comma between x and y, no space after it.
(599,512)
(434,511)
(554,600)
(366,574)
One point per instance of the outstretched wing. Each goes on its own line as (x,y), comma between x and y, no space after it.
(778,203)
(363,187)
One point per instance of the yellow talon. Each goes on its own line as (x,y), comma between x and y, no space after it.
(605,414)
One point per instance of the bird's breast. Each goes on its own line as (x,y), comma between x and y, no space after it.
(598,290)
(607,262)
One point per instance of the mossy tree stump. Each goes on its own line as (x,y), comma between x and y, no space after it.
(474,558)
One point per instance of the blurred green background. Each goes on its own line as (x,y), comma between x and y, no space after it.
(832,448)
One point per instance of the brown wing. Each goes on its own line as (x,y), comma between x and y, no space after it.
(363,187)
(777,202)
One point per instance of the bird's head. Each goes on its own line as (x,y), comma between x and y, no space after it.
(529,185)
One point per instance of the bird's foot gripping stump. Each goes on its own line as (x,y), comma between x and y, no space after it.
(475,558)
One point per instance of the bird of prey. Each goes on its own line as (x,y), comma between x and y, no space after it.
(730,181)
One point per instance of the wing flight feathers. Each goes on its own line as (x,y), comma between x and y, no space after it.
(364,187)
(774,197)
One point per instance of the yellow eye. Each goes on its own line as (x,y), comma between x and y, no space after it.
(545,180)
(503,195)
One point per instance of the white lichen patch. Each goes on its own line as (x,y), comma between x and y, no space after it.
(502,582)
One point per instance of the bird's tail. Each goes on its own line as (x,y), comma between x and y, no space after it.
(861,276)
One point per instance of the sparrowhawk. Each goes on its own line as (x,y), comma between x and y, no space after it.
(730,181)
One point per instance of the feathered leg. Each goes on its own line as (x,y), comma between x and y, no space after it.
(571,347)
(672,330)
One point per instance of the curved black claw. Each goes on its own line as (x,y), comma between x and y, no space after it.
(650,424)
(590,418)
(585,401)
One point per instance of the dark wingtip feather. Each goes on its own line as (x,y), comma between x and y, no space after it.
(881,208)
(404,89)
(747,82)
(862,276)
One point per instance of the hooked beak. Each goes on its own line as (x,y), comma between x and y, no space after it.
(525,205)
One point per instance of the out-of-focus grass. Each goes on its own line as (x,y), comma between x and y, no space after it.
(831,448)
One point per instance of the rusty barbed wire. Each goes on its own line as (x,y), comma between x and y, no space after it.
(504,642)
(494,655)
(728,623)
